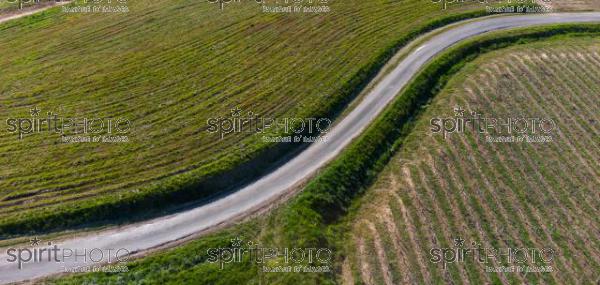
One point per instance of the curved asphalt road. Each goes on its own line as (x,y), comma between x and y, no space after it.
(149,234)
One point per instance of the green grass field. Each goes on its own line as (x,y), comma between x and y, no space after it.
(511,196)
(500,195)
(168,66)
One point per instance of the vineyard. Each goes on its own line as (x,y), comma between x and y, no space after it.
(439,191)
(124,123)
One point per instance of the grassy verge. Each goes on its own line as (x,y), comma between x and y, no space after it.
(317,217)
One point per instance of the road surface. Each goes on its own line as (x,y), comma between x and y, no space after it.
(149,234)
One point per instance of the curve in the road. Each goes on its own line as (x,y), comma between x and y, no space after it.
(156,232)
